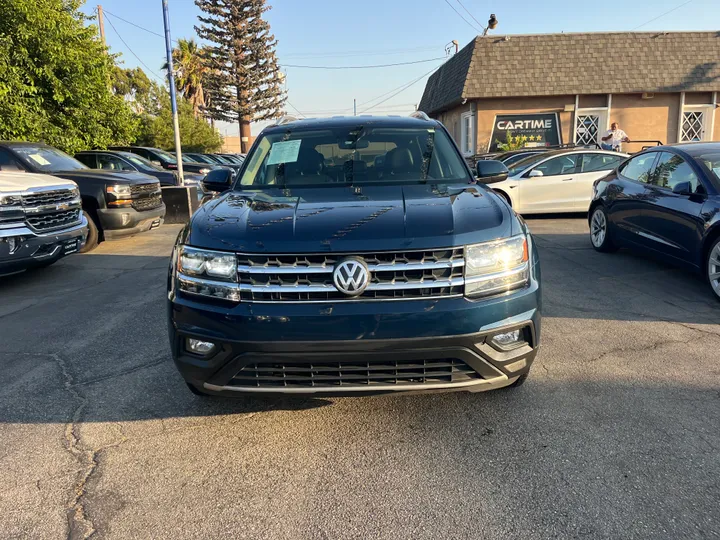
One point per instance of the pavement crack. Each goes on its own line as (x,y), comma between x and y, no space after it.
(650,347)
(156,362)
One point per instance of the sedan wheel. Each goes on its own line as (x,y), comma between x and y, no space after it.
(713,268)
(599,232)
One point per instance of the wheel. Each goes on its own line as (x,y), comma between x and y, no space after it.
(599,232)
(712,268)
(505,196)
(196,391)
(93,236)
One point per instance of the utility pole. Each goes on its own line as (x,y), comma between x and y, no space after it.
(173,98)
(354,107)
(101,23)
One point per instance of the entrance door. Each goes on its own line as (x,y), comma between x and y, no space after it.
(695,123)
(590,124)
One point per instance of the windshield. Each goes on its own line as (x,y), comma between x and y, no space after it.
(167,156)
(233,159)
(47,159)
(142,162)
(525,163)
(712,161)
(357,155)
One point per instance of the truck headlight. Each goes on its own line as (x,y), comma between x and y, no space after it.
(496,267)
(118,196)
(11,208)
(207,273)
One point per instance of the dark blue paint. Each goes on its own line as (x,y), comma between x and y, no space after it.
(673,226)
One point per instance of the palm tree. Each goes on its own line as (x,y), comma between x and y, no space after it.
(190,73)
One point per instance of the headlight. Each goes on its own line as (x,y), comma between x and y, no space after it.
(208,273)
(204,170)
(11,209)
(496,267)
(118,196)
(10,200)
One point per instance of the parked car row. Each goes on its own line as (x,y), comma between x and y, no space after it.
(52,204)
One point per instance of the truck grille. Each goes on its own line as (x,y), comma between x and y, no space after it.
(55,220)
(48,197)
(142,189)
(147,203)
(395,275)
(354,373)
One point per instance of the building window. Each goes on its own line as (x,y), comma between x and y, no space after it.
(695,120)
(467,135)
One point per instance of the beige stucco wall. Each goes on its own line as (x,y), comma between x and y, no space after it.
(451,120)
(647,119)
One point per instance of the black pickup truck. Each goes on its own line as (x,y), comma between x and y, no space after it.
(118,203)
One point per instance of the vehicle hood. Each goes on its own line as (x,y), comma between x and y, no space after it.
(20,181)
(108,177)
(371,218)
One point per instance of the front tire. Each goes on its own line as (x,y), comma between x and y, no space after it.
(600,236)
(93,236)
(712,268)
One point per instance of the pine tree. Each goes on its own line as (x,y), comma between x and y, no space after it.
(243,75)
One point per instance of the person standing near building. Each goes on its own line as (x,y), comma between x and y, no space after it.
(613,138)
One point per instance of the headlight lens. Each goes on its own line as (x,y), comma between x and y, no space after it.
(120,191)
(496,267)
(204,170)
(208,273)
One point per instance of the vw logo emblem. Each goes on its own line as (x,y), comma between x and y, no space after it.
(351,276)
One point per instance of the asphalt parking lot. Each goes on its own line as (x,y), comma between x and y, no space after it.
(615,435)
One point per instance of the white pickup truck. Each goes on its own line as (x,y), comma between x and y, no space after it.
(41,220)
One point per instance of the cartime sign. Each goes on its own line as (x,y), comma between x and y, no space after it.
(540,129)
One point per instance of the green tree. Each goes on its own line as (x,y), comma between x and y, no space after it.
(190,73)
(55,78)
(516,142)
(243,77)
(195,133)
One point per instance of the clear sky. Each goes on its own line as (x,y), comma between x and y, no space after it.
(343,33)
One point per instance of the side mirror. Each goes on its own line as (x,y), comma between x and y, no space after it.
(155,162)
(682,188)
(490,171)
(535,173)
(217,180)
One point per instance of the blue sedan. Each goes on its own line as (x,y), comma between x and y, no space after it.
(664,201)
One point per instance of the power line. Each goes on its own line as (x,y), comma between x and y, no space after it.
(365,67)
(133,52)
(135,25)
(383,95)
(471,15)
(663,14)
(347,54)
(460,15)
(411,83)
(296,109)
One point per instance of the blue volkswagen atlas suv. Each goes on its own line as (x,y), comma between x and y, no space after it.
(349,256)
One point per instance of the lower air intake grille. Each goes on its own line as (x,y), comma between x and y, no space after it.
(361,373)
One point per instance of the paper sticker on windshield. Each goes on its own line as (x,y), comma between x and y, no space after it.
(37,158)
(284,152)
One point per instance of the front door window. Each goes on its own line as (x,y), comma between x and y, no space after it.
(693,126)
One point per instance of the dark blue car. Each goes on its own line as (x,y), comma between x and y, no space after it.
(324,270)
(664,201)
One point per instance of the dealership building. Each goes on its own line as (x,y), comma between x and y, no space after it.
(568,88)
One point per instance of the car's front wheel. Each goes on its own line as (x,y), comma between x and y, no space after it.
(600,236)
(713,268)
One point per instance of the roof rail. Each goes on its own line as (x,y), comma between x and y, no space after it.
(285,120)
(421,115)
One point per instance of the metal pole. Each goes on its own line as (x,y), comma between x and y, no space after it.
(101,23)
(173,99)
(354,107)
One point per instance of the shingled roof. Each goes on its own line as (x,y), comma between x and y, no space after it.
(562,64)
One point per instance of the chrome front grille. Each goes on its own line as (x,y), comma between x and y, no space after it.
(48,197)
(55,220)
(368,373)
(142,189)
(393,275)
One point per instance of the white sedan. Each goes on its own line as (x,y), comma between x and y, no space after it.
(556,181)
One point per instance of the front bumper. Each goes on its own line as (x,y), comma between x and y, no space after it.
(119,222)
(346,334)
(21,248)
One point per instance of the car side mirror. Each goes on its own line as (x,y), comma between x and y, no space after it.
(535,174)
(155,162)
(218,180)
(682,188)
(490,171)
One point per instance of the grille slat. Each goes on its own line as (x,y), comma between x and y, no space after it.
(48,197)
(147,203)
(353,373)
(55,220)
(393,275)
